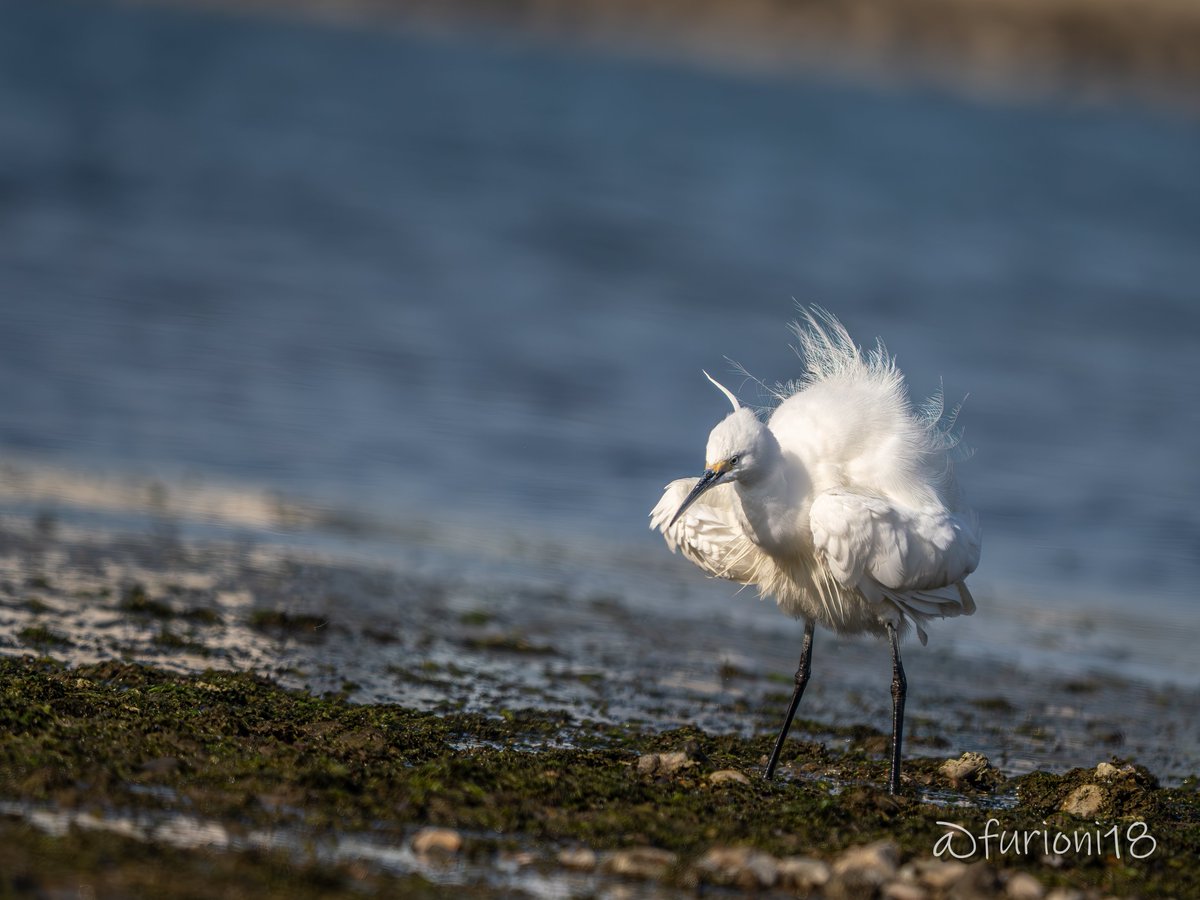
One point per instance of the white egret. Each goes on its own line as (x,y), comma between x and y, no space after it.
(843,506)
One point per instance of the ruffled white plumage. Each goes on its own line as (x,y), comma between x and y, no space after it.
(875,533)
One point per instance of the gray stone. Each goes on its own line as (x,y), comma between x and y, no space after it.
(938,874)
(664,763)
(742,867)
(978,881)
(582,859)
(1085,801)
(802,873)
(648,863)
(903,890)
(436,841)
(965,770)
(862,871)
(724,776)
(1023,886)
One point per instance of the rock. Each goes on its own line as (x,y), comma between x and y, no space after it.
(903,890)
(664,763)
(582,859)
(724,776)
(437,842)
(1085,801)
(802,874)
(519,859)
(937,874)
(862,871)
(1065,894)
(1023,886)
(977,881)
(742,867)
(880,856)
(1107,770)
(648,863)
(968,769)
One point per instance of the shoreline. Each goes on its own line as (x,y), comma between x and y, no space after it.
(292,792)
(1077,48)
(254,713)
(194,576)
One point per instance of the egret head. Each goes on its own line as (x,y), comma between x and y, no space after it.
(739,449)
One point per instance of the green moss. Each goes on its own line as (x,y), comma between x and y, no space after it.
(508,643)
(172,640)
(135,599)
(279,620)
(202,616)
(239,749)
(41,636)
(36,605)
(475,617)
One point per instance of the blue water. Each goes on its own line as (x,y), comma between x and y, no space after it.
(470,281)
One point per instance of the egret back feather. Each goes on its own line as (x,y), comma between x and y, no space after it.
(872,532)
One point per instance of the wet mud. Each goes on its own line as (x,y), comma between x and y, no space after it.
(297,725)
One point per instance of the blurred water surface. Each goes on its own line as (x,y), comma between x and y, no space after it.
(471,283)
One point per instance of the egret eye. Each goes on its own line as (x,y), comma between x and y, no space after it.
(733,460)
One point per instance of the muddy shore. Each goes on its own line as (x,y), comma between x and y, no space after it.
(292,725)
(122,776)
(1085,47)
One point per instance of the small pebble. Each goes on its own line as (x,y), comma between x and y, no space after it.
(1023,886)
(979,879)
(938,874)
(1085,801)
(903,890)
(429,841)
(862,871)
(741,867)
(964,770)
(649,863)
(802,873)
(723,776)
(664,763)
(1065,894)
(582,859)
(880,856)
(1107,770)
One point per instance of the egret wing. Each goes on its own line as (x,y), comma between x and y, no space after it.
(709,533)
(915,557)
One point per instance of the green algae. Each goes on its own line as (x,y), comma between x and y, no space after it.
(135,599)
(280,620)
(238,749)
(512,642)
(41,636)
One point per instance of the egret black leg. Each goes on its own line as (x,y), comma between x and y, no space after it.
(802,674)
(899,689)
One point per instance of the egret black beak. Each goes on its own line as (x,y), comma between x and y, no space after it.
(711,478)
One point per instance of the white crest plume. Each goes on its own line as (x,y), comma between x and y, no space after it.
(724,390)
